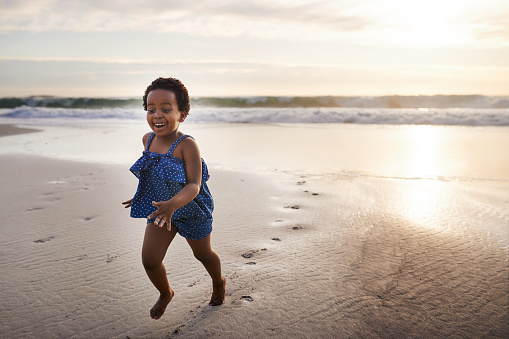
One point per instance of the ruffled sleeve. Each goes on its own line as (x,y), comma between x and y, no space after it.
(142,164)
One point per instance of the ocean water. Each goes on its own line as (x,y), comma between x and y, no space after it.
(390,110)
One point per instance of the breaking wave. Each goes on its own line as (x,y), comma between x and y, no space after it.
(393,101)
(390,116)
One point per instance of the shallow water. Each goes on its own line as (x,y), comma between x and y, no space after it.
(413,152)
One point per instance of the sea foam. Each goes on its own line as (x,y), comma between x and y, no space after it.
(352,115)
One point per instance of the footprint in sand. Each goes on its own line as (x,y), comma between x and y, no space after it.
(294,207)
(112,257)
(295,228)
(34,209)
(247,298)
(312,193)
(250,254)
(40,241)
(50,196)
(276,239)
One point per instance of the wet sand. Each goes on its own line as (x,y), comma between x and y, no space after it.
(356,253)
(6,130)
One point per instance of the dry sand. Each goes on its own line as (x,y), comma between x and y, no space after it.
(306,254)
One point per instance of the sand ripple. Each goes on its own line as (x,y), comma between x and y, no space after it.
(363,257)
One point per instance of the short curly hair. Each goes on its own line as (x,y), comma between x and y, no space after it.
(173,85)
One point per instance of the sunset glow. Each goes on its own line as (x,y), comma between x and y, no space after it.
(233,48)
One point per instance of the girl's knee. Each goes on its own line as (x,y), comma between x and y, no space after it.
(204,256)
(150,262)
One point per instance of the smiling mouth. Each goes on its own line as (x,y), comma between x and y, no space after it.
(159,125)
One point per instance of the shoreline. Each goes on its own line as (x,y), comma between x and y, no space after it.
(385,151)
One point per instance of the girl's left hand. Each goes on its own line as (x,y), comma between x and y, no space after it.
(163,213)
(128,203)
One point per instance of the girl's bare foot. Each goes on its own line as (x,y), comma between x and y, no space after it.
(160,306)
(218,292)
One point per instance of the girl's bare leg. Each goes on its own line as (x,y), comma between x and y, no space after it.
(155,244)
(204,253)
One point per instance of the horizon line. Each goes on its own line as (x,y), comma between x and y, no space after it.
(255,96)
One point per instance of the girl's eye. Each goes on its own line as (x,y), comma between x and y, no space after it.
(150,111)
(166,110)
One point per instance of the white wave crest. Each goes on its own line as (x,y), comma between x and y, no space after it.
(390,116)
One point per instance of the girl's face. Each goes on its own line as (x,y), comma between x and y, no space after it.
(163,115)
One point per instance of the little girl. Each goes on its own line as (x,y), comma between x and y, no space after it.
(172,191)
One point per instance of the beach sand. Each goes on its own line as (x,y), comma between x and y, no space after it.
(6,129)
(378,235)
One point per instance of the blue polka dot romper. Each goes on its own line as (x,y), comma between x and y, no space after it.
(161,177)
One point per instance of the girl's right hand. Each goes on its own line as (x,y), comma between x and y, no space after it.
(127,203)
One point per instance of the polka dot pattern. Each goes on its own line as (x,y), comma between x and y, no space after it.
(161,177)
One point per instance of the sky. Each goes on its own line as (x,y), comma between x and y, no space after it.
(115,48)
